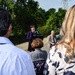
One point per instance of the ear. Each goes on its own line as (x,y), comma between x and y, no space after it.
(10,28)
(9,31)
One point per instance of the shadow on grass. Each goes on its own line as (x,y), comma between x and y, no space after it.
(18,39)
(22,38)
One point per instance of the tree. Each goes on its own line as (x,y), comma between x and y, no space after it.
(60,16)
(25,14)
(53,22)
(50,12)
(8,4)
(40,17)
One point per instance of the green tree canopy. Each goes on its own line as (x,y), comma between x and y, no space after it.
(54,22)
(27,12)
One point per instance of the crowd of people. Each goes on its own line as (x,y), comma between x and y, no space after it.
(60,60)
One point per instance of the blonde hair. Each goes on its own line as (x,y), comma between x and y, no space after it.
(68,28)
(37,43)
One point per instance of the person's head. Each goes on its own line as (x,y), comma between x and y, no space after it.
(32,27)
(37,43)
(52,33)
(68,28)
(5,23)
(68,25)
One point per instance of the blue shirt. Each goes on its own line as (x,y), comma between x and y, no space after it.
(14,61)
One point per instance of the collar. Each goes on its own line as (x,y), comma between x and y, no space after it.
(4,40)
(38,50)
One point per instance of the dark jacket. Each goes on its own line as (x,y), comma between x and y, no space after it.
(38,55)
(31,35)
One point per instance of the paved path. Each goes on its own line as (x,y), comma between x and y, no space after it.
(24,45)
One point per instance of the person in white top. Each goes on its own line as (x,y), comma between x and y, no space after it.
(61,58)
(13,61)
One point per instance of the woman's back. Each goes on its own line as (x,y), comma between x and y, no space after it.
(38,55)
(39,59)
(61,59)
(58,63)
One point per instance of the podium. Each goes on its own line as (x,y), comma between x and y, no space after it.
(38,36)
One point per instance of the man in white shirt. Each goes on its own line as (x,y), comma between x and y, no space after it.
(13,61)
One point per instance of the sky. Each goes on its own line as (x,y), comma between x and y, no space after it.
(47,4)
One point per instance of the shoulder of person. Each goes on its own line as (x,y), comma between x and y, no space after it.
(19,52)
(53,50)
(57,52)
(31,53)
(22,60)
(44,51)
(49,36)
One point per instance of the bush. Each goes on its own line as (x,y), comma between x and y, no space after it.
(43,30)
(46,30)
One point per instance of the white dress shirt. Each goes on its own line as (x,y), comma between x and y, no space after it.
(14,61)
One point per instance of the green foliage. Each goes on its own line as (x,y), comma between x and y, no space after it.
(50,12)
(43,30)
(54,22)
(27,12)
(40,17)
